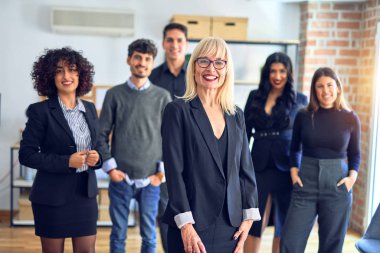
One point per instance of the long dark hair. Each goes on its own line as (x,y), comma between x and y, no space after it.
(286,101)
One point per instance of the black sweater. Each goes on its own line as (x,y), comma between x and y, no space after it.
(326,134)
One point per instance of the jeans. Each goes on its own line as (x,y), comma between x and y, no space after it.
(120,194)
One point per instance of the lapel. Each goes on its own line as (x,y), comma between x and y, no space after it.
(90,123)
(56,111)
(231,130)
(205,128)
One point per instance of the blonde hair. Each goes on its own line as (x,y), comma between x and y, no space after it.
(216,47)
(340,103)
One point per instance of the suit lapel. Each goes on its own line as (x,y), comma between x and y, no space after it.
(90,123)
(57,113)
(231,130)
(205,128)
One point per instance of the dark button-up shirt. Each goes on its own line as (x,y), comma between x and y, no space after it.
(162,77)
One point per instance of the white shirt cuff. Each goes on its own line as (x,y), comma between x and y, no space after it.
(161,167)
(251,214)
(109,165)
(184,218)
(141,183)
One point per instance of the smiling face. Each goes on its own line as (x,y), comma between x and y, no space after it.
(174,44)
(66,78)
(326,91)
(209,77)
(141,64)
(278,76)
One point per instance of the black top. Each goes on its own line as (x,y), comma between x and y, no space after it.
(222,147)
(162,77)
(326,134)
(273,132)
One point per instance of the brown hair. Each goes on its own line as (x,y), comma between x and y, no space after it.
(339,104)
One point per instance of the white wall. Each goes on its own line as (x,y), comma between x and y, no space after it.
(25,32)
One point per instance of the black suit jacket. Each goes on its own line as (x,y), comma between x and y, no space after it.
(272,148)
(195,177)
(46,145)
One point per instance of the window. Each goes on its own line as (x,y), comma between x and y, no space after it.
(374,162)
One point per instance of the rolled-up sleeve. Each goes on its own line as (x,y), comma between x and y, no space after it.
(251,214)
(247,178)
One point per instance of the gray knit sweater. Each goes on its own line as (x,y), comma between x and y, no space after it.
(134,118)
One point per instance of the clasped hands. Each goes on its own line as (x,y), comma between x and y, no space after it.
(80,158)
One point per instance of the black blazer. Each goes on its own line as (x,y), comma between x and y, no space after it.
(193,166)
(46,145)
(272,148)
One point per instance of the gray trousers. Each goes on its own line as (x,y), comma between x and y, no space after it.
(319,197)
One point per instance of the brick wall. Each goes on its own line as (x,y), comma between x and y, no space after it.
(341,36)
(371,16)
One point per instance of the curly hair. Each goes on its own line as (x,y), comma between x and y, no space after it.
(44,70)
(143,46)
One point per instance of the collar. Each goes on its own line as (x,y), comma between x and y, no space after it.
(79,105)
(133,86)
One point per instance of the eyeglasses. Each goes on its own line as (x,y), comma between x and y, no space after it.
(204,63)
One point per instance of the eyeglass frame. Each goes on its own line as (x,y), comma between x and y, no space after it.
(211,62)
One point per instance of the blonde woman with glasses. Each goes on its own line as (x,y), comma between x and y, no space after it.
(210,177)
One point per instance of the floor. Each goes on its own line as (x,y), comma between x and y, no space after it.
(23,240)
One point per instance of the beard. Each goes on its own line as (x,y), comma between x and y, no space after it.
(139,76)
(136,72)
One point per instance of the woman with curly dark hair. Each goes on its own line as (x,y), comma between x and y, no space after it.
(270,112)
(59,141)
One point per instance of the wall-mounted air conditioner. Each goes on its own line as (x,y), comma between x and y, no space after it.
(113,22)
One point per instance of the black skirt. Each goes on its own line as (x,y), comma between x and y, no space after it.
(278,184)
(75,218)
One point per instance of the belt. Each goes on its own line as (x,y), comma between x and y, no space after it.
(273,134)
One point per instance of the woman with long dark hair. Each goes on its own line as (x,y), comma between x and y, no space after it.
(270,111)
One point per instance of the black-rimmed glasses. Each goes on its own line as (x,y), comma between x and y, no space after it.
(204,63)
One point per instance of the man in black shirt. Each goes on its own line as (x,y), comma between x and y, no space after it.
(170,75)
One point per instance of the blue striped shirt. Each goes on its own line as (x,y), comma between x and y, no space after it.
(78,126)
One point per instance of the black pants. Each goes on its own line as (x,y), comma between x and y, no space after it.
(164,197)
(320,196)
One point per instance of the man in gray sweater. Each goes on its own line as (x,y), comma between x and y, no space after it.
(132,112)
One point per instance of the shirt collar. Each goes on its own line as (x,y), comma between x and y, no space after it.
(133,87)
(79,105)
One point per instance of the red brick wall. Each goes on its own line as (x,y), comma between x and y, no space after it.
(364,97)
(341,36)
